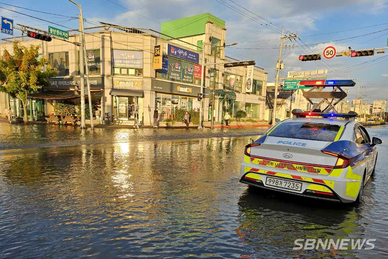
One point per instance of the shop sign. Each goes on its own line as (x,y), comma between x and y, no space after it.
(183,53)
(158,60)
(184,89)
(187,72)
(67,83)
(175,69)
(128,58)
(123,84)
(175,88)
(249,80)
(197,71)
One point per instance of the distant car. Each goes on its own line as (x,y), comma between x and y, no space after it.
(322,158)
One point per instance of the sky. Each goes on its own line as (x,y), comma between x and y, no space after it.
(255,25)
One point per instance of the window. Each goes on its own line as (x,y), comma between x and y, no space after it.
(212,77)
(306,130)
(60,61)
(361,137)
(216,43)
(257,87)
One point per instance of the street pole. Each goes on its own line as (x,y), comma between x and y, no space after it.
(214,86)
(278,66)
(202,81)
(87,79)
(82,68)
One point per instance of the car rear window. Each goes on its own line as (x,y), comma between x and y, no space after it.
(306,130)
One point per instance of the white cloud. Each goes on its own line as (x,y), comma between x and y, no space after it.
(384,75)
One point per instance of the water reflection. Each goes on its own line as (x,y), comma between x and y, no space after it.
(275,221)
(135,196)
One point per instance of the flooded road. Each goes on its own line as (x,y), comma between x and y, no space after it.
(125,193)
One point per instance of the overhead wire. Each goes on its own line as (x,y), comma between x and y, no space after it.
(38,11)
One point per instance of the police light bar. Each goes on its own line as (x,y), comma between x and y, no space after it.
(299,113)
(327,83)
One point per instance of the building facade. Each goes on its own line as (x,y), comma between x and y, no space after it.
(125,78)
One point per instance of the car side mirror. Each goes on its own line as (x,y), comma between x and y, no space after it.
(376,141)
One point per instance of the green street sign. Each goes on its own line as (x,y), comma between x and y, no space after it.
(291,84)
(58,33)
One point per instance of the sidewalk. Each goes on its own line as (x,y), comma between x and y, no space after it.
(163,125)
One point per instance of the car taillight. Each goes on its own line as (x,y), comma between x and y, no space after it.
(342,162)
(247,150)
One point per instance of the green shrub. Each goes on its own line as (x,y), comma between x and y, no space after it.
(241,114)
(64,109)
(179,115)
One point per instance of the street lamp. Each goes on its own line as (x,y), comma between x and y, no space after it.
(214,79)
(82,70)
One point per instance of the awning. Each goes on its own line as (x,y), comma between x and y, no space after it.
(54,95)
(127,92)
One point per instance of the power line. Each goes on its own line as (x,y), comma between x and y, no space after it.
(273,25)
(247,16)
(353,29)
(38,11)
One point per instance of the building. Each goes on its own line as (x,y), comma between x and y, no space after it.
(124,76)
(379,108)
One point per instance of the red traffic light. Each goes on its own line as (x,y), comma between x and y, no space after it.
(362,53)
(38,36)
(312,57)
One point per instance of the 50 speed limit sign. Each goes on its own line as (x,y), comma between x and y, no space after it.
(329,52)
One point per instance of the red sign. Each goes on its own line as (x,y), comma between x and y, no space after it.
(197,71)
(329,52)
(312,82)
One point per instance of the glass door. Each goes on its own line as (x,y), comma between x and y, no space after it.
(123,107)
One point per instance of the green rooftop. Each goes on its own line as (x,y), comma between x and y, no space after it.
(189,26)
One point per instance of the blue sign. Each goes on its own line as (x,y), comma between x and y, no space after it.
(183,53)
(164,65)
(6,25)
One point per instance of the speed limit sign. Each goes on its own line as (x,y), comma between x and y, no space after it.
(329,52)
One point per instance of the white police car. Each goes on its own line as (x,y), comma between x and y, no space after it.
(323,158)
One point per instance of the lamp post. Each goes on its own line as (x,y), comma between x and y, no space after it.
(214,79)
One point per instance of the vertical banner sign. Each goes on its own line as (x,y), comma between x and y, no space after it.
(174,69)
(197,71)
(187,72)
(249,80)
(158,59)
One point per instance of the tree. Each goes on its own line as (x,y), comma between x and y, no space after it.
(24,73)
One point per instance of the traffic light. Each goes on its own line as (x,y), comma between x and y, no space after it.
(38,36)
(362,53)
(200,96)
(312,57)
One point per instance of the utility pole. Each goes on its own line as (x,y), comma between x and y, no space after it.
(202,86)
(214,86)
(87,80)
(279,66)
(82,68)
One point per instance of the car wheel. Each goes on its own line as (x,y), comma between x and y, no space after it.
(361,192)
(374,167)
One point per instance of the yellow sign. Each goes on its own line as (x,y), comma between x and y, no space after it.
(158,62)
(184,89)
(346,53)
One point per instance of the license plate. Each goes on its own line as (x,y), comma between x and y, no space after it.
(284,184)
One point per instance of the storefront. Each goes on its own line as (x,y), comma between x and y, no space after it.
(128,99)
(170,97)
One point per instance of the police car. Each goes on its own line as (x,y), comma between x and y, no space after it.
(315,155)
